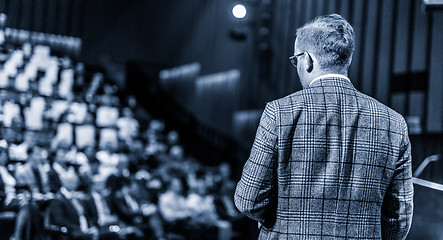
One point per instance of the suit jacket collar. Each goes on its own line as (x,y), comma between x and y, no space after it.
(336,80)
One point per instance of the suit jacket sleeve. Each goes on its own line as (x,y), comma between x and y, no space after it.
(397,205)
(90,211)
(119,207)
(61,214)
(253,195)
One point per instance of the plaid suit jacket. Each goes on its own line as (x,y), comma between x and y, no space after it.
(329,162)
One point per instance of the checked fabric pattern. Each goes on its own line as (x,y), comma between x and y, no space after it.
(329,162)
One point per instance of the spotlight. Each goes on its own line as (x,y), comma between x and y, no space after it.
(239,11)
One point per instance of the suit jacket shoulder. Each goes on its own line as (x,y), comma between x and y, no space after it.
(317,99)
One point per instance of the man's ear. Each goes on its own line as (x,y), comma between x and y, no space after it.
(309,64)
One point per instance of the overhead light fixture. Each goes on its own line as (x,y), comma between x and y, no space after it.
(239,11)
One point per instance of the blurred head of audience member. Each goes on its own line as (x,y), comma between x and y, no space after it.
(17,123)
(70,182)
(60,153)
(37,156)
(173,138)
(178,185)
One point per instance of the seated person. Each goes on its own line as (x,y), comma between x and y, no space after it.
(85,135)
(34,113)
(107,116)
(7,181)
(68,213)
(64,163)
(128,126)
(223,197)
(37,173)
(109,160)
(204,216)
(173,207)
(147,200)
(131,211)
(64,134)
(99,215)
(201,204)
(29,218)
(11,110)
(17,146)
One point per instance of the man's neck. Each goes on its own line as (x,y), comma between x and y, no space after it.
(322,74)
(333,75)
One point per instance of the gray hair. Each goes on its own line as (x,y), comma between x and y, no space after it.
(330,38)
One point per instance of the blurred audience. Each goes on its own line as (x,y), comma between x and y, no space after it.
(85,167)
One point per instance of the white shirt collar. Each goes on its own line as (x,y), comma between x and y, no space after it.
(330,75)
(66,192)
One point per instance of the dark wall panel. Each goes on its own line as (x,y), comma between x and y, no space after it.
(382,76)
(435,97)
(26,14)
(402,31)
(366,67)
(332,6)
(3,6)
(345,8)
(321,7)
(52,16)
(62,17)
(359,22)
(39,23)
(309,9)
(12,8)
(419,42)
